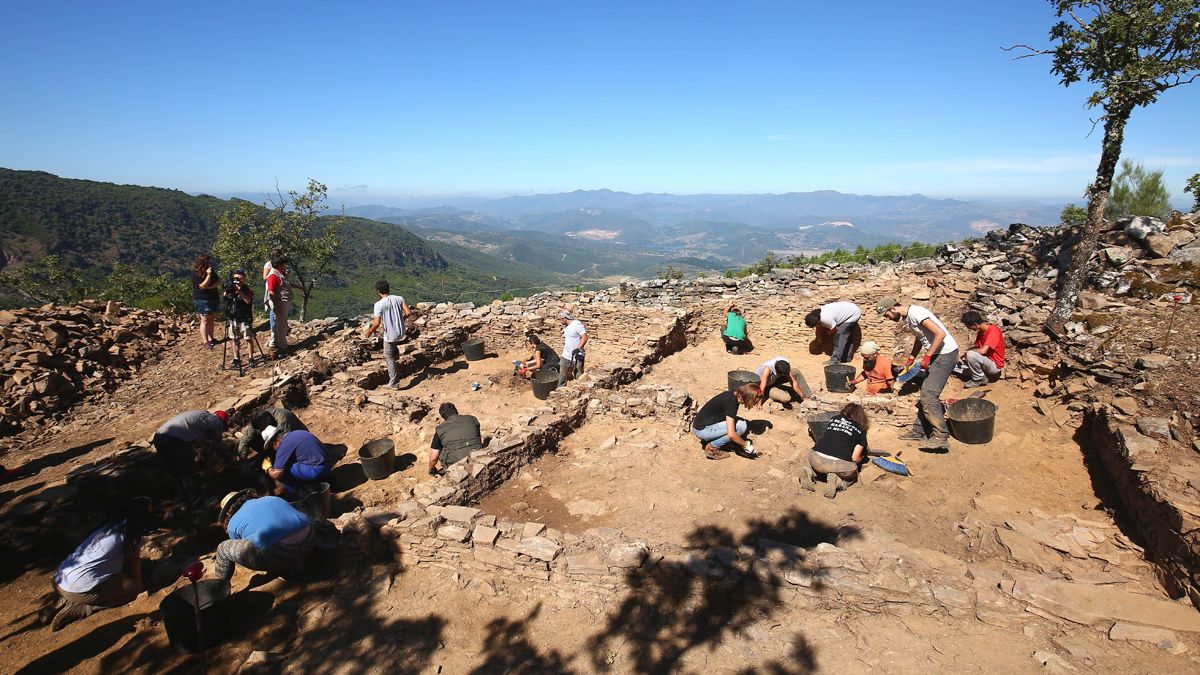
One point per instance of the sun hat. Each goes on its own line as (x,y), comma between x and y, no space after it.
(869,347)
(228,502)
(269,433)
(885,303)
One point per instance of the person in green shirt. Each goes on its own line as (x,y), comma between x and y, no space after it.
(735,336)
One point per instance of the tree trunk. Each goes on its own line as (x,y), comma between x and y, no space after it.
(1075,277)
(305,292)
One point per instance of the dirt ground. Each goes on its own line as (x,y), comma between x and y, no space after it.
(362,616)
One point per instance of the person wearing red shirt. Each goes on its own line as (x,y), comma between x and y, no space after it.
(982,363)
(279,294)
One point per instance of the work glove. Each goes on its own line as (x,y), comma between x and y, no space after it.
(925,361)
(908,362)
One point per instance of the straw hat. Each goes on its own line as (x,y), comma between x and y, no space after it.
(230,500)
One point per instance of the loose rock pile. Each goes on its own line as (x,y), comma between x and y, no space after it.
(55,356)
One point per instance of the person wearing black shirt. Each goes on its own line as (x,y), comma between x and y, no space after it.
(239,311)
(717,423)
(543,357)
(839,452)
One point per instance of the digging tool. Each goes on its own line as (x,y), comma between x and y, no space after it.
(193,573)
(909,374)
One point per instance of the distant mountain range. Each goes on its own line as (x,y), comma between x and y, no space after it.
(730,229)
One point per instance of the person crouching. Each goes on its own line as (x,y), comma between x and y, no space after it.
(266,534)
(876,370)
(299,459)
(717,423)
(839,453)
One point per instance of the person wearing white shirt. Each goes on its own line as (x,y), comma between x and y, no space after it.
(390,312)
(842,319)
(941,355)
(575,338)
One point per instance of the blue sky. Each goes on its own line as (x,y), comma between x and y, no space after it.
(381,100)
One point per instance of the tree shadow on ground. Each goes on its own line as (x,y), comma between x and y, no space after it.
(507,649)
(677,606)
(431,371)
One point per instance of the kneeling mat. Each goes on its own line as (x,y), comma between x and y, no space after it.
(892,465)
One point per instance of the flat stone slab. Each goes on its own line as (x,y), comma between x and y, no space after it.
(1090,605)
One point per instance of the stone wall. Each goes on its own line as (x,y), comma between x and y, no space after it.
(1155,497)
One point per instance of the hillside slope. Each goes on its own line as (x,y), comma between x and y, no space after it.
(93,225)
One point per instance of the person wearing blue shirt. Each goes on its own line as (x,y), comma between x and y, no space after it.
(266,534)
(299,458)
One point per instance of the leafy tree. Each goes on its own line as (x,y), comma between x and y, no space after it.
(1073,216)
(506,296)
(50,279)
(133,286)
(293,224)
(1131,51)
(1138,192)
(1193,186)
(670,273)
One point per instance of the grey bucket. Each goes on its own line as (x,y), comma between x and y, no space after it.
(837,377)
(737,378)
(972,420)
(473,350)
(817,424)
(378,458)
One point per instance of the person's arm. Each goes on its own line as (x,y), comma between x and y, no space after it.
(372,327)
(583,341)
(935,347)
(247,295)
(857,456)
(210,281)
(405,310)
(731,430)
(435,451)
(796,385)
(276,474)
(536,358)
(762,381)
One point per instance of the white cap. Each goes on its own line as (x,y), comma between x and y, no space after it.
(566,315)
(869,347)
(269,433)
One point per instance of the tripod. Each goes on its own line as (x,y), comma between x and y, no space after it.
(251,345)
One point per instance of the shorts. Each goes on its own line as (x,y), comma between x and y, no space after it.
(239,330)
(204,306)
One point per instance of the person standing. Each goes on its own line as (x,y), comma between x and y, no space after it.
(876,370)
(735,336)
(717,423)
(239,312)
(941,355)
(983,362)
(267,267)
(839,452)
(279,292)
(206,297)
(177,441)
(104,571)
(390,312)
(266,534)
(575,339)
(842,319)
(455,438)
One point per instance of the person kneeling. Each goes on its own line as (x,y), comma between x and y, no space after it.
(717,423)
(299,459)
(266,534)
(839,453)
(105,571)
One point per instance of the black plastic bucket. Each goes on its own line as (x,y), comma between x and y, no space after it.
(473,350)
(179,615)
(378,458)
(837,376)
(972,420)
(543,383)
(739,377)
(817,424)
(317,503)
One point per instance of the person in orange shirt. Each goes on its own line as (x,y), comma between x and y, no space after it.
(877,370)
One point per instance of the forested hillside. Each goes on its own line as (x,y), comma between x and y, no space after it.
(92,226)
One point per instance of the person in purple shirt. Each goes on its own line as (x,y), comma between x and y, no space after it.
(266,534)
(299,458)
